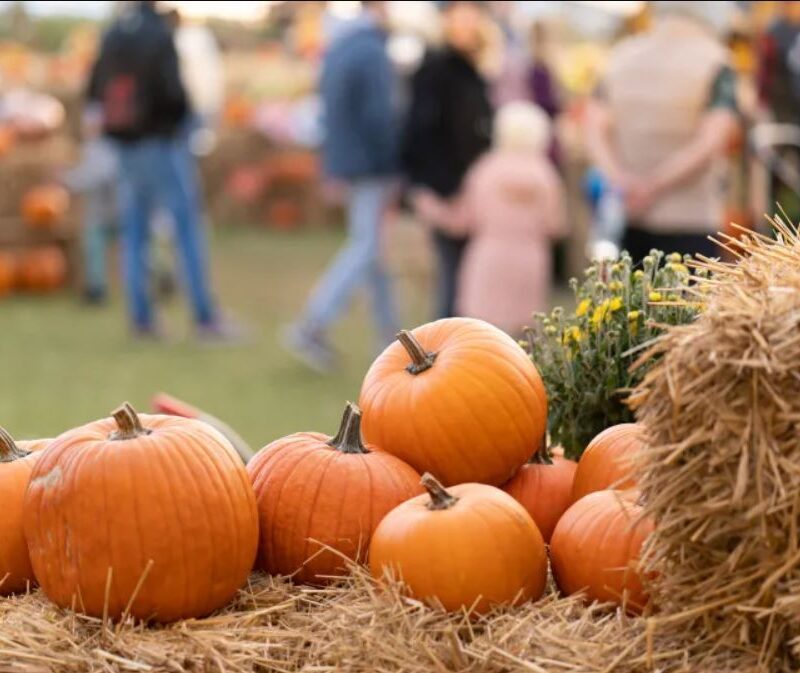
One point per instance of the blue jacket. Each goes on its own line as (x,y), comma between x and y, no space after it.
(360,133)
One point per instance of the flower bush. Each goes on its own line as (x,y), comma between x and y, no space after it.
(584,356)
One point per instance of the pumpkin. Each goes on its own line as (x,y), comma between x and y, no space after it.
(44,206)
(7,140)
(7,273)
(316,491)
(16,465)
(469,547)
(284,214)
(33,445)
(544,488)
(148,516)
(42,269)
(596,545)
(295,167)
(457,398)
(608,461)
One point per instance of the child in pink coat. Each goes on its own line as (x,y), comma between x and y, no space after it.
(512,205)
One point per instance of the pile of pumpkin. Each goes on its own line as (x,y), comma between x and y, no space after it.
(429,481)
(40,268)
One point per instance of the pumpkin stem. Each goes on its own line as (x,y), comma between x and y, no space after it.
(440,498)
(348,439)
(543,455)
(9,451)
(420,358)
(128,424)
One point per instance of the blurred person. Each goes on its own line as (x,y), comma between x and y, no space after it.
(448,127)
(509,82)
(95,179)
(512,205)
(359,149)
(137,81)
(658,124)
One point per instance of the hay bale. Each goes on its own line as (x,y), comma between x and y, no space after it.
(352,626)
(721,474)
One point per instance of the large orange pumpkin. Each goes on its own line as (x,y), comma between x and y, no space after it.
(151,516)
(42,269)
(596,545)
(544,488)
(8,269)
(609,460)
(16,465)
(34,445)
(44,205)
(457,398)
(471,546)
(315,491)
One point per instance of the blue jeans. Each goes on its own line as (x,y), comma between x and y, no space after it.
(161,172)
(99,226)
(358,264)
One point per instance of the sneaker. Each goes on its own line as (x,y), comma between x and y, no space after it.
(309,348)
(222,332)
(147,333)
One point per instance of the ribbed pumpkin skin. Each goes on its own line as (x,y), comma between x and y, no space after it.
(474,416)
(179,496)
(608,461)
(311,494)
(34,445)
(483,551)
(596,547)
(14,559)
(545,491)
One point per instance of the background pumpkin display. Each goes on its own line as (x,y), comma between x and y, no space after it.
(41,269)
(544,488)
(596,545)
(44,205)
(471,546)
(16,466)
(152,516)
(609,460)
(457,398)
(314,491)
(8,270)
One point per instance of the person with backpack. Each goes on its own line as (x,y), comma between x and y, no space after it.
(137,84)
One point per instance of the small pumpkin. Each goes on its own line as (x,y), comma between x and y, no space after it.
(457,398)
(44,205)
(42,270)
(544,488)
(316,491)
(7,139)
(596,545)
(8,270)
(468,547)
(284,214)
(151,516)
(609,460)
(16,466)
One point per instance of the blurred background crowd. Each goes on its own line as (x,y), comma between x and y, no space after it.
(274,161)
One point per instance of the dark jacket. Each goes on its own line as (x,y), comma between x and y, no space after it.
(360,135)
(137,79)
(449,122)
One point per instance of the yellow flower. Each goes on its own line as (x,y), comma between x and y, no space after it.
(572,334)
(634,315)
(616,268)
(600,313)
(679,268)
(654,296)
(638,274)
(583,307)
(675,258)
(615,286)
(550,330)
(615,304)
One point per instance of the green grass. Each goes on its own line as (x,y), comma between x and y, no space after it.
(63,364)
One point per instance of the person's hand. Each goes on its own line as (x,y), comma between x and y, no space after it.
(427,205)
(640,195)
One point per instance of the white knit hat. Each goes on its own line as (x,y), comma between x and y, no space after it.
(522,126)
